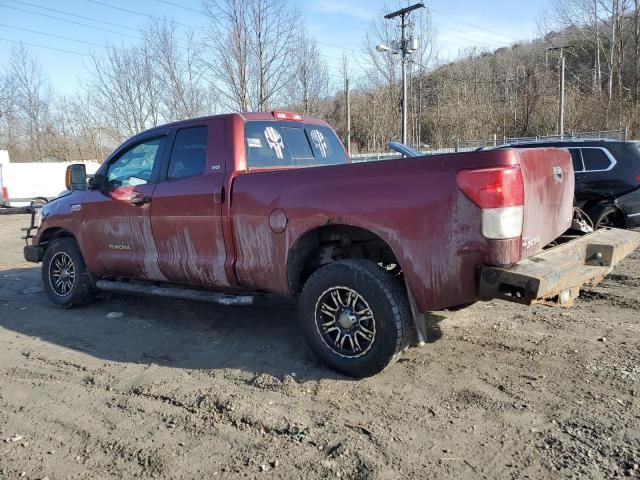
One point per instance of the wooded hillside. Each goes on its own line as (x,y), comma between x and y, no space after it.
(259,55)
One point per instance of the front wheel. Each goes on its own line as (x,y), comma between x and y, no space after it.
(66,280)
(355,317)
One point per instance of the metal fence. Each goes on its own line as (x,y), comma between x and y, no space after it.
(470,145)
(466,145)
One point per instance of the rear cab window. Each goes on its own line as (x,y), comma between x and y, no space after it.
(291,144)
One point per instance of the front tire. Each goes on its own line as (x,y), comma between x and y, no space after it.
(355,317)
(65,277)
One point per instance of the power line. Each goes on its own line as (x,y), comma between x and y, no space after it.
(46,47)
(134,12)
(73,15)
(51,35)
(472,24)
(358,53)
(338,46)
(472,41)
(179,6)
(88,25)
(71,21)
(481,37)
(100,45)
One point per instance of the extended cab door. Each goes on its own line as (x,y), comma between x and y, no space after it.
(117,235)
(186,215)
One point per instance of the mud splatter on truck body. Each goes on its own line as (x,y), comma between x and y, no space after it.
(236,225)
(413,205)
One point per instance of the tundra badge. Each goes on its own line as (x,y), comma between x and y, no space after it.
(120,247)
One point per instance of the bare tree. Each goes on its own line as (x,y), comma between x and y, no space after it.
(310,80)
(228,58)
(182,92)
(275,27)
(6,98)
(252,43)
(32,97)
(124,89)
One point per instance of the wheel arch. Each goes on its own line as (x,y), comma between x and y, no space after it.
(324,244)
(54,233)
(595,208)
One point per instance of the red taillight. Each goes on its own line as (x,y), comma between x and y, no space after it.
(493,187)
(5,193)
(287,116)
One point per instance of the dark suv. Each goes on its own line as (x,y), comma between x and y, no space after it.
(607,179)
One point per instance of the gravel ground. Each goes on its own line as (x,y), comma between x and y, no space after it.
(155,388)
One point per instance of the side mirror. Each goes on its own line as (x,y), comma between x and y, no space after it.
(76,177)
(95,182)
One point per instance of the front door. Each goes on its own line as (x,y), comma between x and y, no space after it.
(117,217)
(186,215)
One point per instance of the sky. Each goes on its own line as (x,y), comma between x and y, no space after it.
(73,29)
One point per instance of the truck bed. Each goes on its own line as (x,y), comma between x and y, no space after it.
(414,205)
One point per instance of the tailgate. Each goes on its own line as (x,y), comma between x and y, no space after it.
(548,196)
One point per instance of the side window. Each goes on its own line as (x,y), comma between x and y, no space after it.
(595,159)
(135,166)
(189,153)
(576,158)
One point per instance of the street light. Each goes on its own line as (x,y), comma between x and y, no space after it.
(394,48)
(404,47)
(385,48)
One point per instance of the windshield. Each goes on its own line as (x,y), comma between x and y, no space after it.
(292,144)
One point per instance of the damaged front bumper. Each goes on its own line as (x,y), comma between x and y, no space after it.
(555,276)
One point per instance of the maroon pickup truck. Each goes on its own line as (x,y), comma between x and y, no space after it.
(270,202)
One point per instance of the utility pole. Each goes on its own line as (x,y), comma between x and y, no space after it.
(404,52)
(562,89)
(403,40)
(348,114)
(561,106)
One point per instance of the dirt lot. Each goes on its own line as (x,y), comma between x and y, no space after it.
(186,390)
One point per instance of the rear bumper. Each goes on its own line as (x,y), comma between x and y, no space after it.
(555,276)
(33,254)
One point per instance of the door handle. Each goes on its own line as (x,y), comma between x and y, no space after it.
(140,200)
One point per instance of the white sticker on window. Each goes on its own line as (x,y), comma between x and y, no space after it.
(254,143)
(320,142)
(275,141)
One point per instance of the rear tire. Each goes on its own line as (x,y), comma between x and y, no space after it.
(355,317)
(65,277)
(606,215)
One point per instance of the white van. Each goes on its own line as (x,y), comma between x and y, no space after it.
(22,182)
